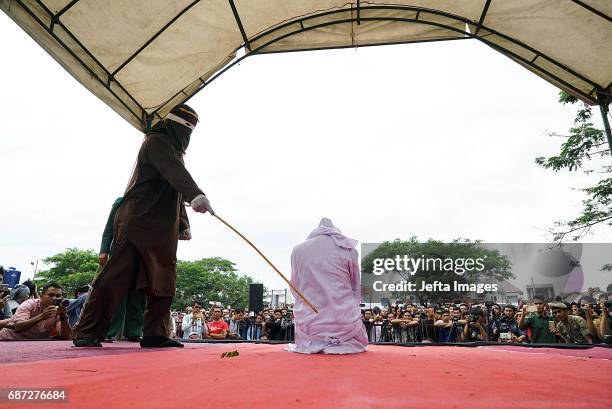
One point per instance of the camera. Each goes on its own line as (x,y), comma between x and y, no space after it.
(475,314)
(63,302)
(4,290)
(596,308)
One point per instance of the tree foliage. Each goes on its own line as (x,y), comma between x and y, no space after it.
(210,279)
(71,269)
(581,150)
(496,266)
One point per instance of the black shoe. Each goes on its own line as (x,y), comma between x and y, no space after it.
(135,338)
(86,342)
(159,342)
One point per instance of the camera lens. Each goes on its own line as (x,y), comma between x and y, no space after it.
(61,302)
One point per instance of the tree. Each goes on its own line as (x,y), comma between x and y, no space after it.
(71,269)
(210,279)
(496,266)
(582,147)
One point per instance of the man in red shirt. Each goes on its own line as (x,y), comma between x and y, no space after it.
(217,328)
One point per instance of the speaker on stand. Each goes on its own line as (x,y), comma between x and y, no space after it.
(255,297)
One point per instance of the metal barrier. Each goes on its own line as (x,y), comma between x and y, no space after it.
(254,332)
(386,332)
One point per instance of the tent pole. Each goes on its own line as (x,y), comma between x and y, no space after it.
(604,108)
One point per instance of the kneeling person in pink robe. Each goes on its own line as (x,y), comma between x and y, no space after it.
(325,268)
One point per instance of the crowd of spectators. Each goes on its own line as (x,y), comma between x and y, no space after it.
(585,322)
(216,322)
(29,313)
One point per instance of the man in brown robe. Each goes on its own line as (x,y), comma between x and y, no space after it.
(148,224)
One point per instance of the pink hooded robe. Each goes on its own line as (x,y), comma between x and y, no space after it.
(325,268)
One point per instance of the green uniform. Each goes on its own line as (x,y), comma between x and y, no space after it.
(540,332)
(130,312)
(574,331)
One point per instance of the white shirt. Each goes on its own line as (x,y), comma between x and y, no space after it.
(188,326)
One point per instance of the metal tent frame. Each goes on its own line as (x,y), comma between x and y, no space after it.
(359,13)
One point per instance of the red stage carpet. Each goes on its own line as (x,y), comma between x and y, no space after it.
(121,375)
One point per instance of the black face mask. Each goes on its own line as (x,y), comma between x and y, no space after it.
(180,133)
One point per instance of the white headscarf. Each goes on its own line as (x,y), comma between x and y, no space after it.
(327,228)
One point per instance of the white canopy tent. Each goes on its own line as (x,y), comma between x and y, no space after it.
(142,57)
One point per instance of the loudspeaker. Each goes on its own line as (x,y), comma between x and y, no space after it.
(255,297)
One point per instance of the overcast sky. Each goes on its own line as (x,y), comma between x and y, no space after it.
(431,140)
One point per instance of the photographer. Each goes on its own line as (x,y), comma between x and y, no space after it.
(570,328)
(506,329)
(475,329)
(447,330)
(604,328)
(494,317)
(40,318)
(591,316)
(194,323)
(537,322)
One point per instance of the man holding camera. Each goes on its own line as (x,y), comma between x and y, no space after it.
(40,318)
(194,323)
(475,330)
(506,329)
(605,323)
